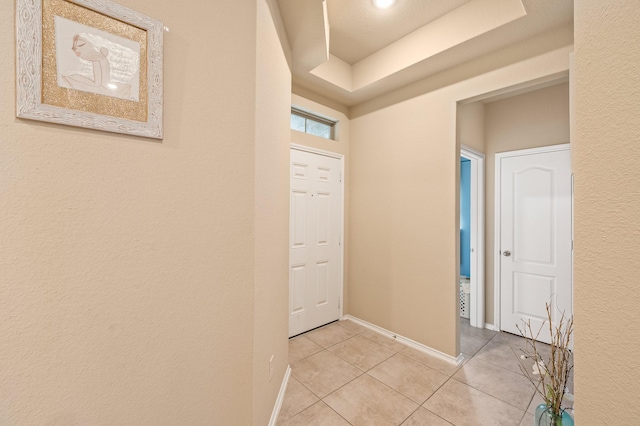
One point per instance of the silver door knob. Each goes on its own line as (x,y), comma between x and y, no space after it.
(507,253)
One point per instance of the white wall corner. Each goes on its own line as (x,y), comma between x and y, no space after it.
(457,361)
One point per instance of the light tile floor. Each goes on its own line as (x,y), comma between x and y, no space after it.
(345,374)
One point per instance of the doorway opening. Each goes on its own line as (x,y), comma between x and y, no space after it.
(472,236)
(500,121)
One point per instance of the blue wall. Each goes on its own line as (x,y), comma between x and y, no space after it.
(465,216)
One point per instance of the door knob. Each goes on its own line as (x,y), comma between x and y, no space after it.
(507,253)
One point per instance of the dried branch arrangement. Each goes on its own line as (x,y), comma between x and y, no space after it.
(554,369)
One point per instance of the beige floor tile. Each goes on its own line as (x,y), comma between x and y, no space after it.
(412,379)
(300,347)
(384,341)
(296,399)
(430,361)
(319,414)
(404,377)
(463,405)
(352,326)
(465,327)
(471,343)
(329,335)
(544,351)
(366,401)
(361,352)
(521,345)
(424,417)
(507,386)
(525,349)
(508,338)
(323,373)
(537,400)
(502,355)
(527,420)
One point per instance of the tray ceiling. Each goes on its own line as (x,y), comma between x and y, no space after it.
(350,52)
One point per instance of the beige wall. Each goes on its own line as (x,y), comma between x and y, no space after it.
(271,222)
(131,267)
(530,120)
(404,199)
(338,146)
(607,202)
(470,124)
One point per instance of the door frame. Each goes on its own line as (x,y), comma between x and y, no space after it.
(477,296)
(497,289)
(340,157)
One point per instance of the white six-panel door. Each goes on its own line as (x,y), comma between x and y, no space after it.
(315,253)
(535,239)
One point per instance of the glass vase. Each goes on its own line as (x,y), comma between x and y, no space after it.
(545,417)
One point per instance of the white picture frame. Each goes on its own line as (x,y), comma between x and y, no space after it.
(89,63)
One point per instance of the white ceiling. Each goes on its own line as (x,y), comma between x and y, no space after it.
(349,52)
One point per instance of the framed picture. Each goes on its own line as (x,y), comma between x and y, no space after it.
(89,63)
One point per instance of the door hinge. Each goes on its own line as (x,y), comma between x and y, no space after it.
(340,176)
(339,239)
(338,303)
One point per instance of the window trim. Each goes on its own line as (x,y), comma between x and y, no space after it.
(318,119)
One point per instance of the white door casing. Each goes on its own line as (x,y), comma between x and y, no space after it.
(477,236)
(534,225)
(315,250)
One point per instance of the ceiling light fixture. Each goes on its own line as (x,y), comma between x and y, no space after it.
(383,4)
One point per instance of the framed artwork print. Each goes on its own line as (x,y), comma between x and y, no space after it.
(89,63)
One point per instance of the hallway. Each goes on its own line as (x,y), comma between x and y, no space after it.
(346,374)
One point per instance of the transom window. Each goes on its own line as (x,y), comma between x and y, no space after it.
(307,122)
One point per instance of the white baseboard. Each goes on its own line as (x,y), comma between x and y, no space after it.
(405,340)
(278,405)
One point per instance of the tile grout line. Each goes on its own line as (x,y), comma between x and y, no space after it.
(367,371)
(420,405)
(473,387)
(502,368)
(331,408)
(425,366)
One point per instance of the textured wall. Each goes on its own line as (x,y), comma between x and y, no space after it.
(271,225)
(128,265)
(470,125)
(607,206)
(404,222)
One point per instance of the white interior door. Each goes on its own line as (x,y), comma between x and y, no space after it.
(315,253)
(535,239)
